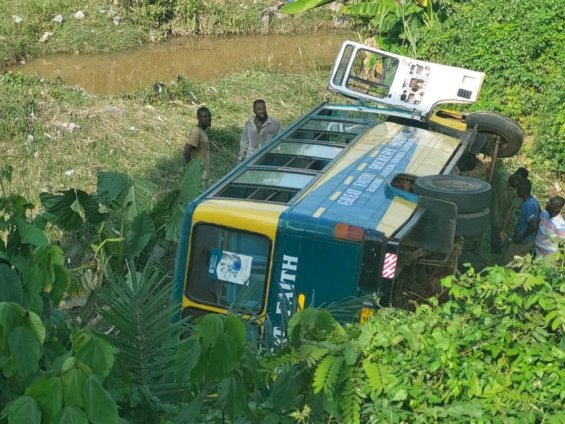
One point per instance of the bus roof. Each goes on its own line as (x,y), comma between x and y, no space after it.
(335,164)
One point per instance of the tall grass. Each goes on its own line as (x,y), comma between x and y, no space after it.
(24,22)
(140,132)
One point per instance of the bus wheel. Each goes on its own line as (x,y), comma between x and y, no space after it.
(497,128)
(473,224)
(469,194)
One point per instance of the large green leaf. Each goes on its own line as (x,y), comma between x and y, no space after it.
(186,358)
(232,395)
(30,234)
(41,273)
(99,405)
(210,328)
(15,206)
(139,233)
(71,415)
(235,329)
(300,6)
(97,354)
(111,187)
(23,410)
(130,194)
(48,393)
(26,350)
(367,8)
(11,289)
(71,209)
(11,316)
(73,382)
(33,322)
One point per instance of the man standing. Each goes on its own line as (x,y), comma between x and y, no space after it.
(505,201)
(197,144)
(257,130)
(551,227)
(528,220)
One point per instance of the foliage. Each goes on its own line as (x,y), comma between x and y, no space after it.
(32,269)
(521,51)
(492,353)
(137,309)
(133,219)
(398,25)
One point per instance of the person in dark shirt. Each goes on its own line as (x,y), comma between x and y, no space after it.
(523,240)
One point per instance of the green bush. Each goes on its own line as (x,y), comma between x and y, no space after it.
(520,48)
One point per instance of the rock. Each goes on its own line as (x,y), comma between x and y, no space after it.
(17,19)
(113,109)
(46,35)
(58,19)
(79,15)
(116,20)
(70,126)
(70,172)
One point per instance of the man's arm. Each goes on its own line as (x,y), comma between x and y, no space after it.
(187,152)
(533,222)
(191,143)
(243,144)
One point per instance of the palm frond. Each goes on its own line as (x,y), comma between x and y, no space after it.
(139,310)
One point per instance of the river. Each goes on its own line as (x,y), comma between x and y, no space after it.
(195,58)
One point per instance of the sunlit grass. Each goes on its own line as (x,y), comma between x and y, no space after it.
(58,137)
(23,23)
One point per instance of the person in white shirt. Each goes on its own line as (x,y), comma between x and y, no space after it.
(551,228)
(257,131)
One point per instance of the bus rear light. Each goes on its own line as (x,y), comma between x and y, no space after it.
(389,265)
(348,232)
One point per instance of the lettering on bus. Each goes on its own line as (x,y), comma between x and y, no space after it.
(349,197)
(287,281)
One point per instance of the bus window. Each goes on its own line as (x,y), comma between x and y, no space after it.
(333,137)
(314,157)
(228,268)
(372,73)
(292,180)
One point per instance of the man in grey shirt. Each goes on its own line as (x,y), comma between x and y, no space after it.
(257,130)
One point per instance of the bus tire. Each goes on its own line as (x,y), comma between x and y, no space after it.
(497,127)
(473,224)
(469,194)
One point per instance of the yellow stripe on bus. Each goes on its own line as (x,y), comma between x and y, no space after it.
(396,215)
(319,212)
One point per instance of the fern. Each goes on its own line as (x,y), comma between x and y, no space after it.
(351,398)
(322,372)
(136,308)
(333,374)
(375,376)
(311,354)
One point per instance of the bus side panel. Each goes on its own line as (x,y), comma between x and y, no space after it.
(182,256)
(324,271)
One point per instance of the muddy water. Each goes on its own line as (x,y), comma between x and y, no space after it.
(194,58)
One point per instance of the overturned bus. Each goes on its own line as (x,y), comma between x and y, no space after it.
(351,201)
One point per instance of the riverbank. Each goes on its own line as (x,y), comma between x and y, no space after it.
(27,30)
(57,136)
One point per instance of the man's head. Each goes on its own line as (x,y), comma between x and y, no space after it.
(520,174)
(260,110)
(554,206)
(524,188)
(204,117)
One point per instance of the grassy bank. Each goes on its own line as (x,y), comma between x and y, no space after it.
(38,27)
(57,137)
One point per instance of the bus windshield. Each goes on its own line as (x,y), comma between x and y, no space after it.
(228,268)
